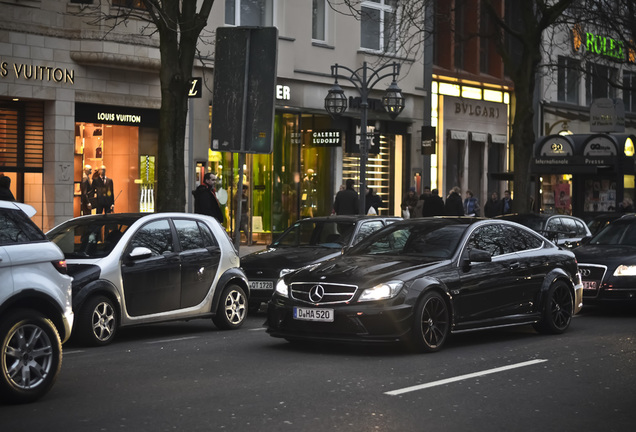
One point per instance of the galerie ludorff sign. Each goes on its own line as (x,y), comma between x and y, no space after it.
(607,115)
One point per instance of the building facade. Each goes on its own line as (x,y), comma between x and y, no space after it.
(76,91)
(584,156)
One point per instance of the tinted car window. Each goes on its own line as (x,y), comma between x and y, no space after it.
(569,225)
(616,234)
(580,228)
(189,234)
(155,236)
(88,238)
(491,238)
(208,237)
(424,240)
(16,227)
(554,225)
(367,228)
(521,239)
(298,235)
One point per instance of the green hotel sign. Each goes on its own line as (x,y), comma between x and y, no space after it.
(602,45)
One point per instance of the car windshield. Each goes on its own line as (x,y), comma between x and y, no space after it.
(616,233)
(92,238)
(434,240)
(333,234)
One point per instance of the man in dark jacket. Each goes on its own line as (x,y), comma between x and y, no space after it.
(434,205)
(493,206)
(346,202)
(205,201)
(454,204)
(105,192)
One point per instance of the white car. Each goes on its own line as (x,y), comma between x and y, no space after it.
(36,314)
(135,268)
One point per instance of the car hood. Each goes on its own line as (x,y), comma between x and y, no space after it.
(364,269)
(286,258)
(604,253)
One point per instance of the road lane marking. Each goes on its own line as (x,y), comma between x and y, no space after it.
(257,329)
(73,352)
(463,377)
(173,340)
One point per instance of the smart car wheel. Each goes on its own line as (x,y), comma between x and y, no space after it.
(557,311)
(31,356)
(232,308)
(431,323)
(97,321)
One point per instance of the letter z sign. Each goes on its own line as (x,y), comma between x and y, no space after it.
(195,88)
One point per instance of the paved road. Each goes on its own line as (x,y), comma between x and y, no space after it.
(192,377)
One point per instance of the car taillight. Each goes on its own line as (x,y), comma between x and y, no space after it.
(60,265)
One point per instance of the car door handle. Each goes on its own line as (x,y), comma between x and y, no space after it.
(514,265)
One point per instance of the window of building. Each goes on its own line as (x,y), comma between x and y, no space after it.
(629,91)
(460,13)
(249,12)
(599,82)
(318,20)
(379,25)
(133,4)
(568,80)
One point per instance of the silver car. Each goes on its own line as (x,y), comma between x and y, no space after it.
(132,269)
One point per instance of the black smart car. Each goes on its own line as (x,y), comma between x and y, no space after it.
(419,280)
(306,242)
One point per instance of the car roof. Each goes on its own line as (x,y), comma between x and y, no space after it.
(29,210)
(346,218)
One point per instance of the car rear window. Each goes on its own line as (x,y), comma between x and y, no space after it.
(16,227)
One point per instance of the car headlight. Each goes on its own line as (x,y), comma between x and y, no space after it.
(282,288)
(625,270)
(285,271)
(382,291)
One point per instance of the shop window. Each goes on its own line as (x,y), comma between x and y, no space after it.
(318,20)
(249,12)
(600,82)
(568,80)
(378,25)
(629,91)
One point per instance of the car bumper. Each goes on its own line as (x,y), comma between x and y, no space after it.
(67,322)
(578,298)
(359,323)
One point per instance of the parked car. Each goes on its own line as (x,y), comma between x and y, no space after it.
(419,280)
(36,316)
(306,242)
(566,231)
(132,268)
(608,263)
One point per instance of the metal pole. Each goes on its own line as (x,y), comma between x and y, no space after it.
(241,157)
(364,147)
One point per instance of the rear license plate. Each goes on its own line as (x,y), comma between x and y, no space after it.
(313,314)
(261,285)
(590,285)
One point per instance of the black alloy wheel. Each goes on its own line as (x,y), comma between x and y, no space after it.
(558,309)
(432,323)
(31,352)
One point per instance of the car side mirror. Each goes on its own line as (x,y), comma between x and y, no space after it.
(139,253)
(475,255)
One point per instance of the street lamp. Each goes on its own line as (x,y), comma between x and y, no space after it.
(364,79)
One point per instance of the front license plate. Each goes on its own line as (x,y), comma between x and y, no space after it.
(261,285)
(313,314)
(590,285)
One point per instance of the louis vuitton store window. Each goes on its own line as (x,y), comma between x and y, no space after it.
(124,142)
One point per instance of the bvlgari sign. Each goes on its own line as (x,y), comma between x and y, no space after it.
(607,115)
(33,72)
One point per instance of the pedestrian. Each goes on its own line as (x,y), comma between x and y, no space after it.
(372,203)
(421,209)
(105,192)
(506,203)
(86,191)
(408,204)
(471,204)
(493,206)
(205,201)
(454,205)
(5,188)
(347,202)
(434,205)
(626,206)
(245,205)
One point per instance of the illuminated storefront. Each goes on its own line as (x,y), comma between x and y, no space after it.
(124,140)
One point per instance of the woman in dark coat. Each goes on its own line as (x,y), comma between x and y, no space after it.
(5,189)
(454,203)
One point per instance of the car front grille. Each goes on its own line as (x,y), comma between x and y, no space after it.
(592,277)
(318,293)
